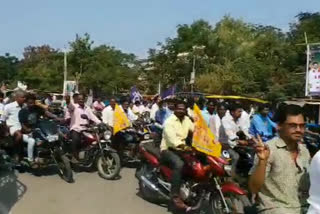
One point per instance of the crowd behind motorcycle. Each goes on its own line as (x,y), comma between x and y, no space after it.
(76,135)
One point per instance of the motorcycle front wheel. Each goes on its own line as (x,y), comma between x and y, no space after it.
(109,165)
(236,204)
(65,171)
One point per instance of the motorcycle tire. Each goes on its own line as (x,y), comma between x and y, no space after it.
(238,204)
(109,168)
(64,166)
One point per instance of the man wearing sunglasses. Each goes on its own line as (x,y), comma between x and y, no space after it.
(279,175)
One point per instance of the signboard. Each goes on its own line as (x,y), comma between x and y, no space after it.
(203,138)
(69,88)
(313,75)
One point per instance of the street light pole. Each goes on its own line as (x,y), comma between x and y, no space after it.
(65,72)
(193,74)
(65,66)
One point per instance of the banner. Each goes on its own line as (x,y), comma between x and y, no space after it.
(135,95)
(203,138)
(69,88)
(120,120)
(313,76)
(169,93)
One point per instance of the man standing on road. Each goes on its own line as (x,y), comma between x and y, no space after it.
(279,175)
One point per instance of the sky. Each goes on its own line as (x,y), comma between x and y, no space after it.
(132,26)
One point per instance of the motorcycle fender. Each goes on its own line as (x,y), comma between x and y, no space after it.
(109,149)
(232,188)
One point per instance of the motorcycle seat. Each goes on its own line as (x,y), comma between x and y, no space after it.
(149,147)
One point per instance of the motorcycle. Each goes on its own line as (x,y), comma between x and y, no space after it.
(95,152)
(50,149)
(127,141)
(203,185)
(312,142)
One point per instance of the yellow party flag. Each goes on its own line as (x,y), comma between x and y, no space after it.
(120,120)
(203,138)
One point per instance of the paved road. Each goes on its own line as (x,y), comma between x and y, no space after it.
(89,194)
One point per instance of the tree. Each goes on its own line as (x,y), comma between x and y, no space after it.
(8,67)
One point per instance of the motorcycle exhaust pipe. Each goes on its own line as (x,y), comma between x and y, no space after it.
(150,185)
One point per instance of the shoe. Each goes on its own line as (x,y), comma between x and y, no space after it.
(74,160)
(179,203)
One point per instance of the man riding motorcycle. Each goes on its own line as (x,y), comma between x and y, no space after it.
(11,118)
(176,130)
(77,123)
(28,117)
(262,125)
(234,133)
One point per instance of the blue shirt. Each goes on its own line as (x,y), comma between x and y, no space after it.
(206,116)
(262,126)
(162,115)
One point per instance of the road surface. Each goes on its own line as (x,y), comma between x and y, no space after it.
(89,194)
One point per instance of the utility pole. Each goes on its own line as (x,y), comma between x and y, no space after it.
(65,72)
(307,64)
(193,73)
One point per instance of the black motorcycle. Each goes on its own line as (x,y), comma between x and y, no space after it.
(49,150)
(312,142)
(127,141)
(94,152)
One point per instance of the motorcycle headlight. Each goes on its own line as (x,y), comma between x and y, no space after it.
(146,137)
(225,154)
(52,138)
(107,135)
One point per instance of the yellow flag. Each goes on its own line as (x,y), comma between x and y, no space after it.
(203,138)
(120,120)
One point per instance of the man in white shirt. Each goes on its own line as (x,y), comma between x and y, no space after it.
(215,123)
(154,108)
(107,113)
(11,117)
(125,107)
(230,133)
(138,108)
(314,192)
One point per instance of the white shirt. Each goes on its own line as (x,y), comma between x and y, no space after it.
(230,127)
(11,114)
(131,116)
(153,111)
(138,109)
(244,121)
(2,105)
(107,115)
(216,129)
(314,192)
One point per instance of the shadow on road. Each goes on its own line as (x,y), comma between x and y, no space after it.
(11,190)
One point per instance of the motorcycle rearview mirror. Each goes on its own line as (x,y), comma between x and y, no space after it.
(84,116)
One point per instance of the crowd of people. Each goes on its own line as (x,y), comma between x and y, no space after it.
(279,177)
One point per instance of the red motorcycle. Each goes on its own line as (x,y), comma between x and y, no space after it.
(203,188)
